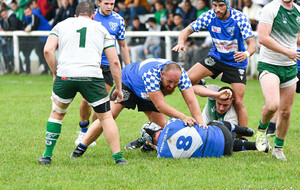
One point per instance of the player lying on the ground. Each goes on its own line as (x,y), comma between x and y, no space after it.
(177,140)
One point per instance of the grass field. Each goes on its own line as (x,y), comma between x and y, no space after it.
(25,106)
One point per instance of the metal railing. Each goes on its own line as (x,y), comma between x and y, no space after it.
(166,34)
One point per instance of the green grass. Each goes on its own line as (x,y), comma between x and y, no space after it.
(25,106)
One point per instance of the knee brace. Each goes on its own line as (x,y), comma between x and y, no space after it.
(57,109)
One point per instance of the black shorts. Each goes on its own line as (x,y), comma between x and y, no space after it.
(228,149)
(298,83)
(230,74)
(108,79)
(131,100)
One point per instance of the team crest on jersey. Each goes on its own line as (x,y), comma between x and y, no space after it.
(209,61)
(113,25)
(298,20)
(230,30)
(284,19)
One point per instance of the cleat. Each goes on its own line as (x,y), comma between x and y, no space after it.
(137,143)
(249,132)
(80,139)
(77,153)
(122,162)
(146,148)
(278,154)
(261,142)
(271,131)
(45,160)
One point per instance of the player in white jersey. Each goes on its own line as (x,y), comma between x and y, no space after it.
(115,25)
(278,29)
(80,42)
(229,30)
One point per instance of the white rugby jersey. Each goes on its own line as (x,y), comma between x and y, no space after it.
(79,42)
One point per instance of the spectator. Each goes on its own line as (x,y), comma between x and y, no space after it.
(17,9)
(188,12)
(133,8)
(177,19)
(9,22)
(152,44)
(136,43)
(252,10)
(33,21)
(64,12)
(237,4)
(201,7)
(160,13)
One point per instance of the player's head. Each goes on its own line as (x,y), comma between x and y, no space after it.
(150,132)
(223,105)
(170,76)
(106,6)
(84,9)
(221,7)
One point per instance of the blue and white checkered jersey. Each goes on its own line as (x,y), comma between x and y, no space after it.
(143,77)
(114,24)
(179,141)
(228,36)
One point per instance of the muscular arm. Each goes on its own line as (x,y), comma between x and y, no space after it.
(115,68)
(193,105)
(242,56)
(264,38)
(124,51)
(49,53)
(182,38)
(158,100)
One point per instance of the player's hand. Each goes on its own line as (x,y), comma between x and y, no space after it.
(203,126)
(54,77)
(224,94)
(293,54)
(152,145)
(179,47)
(239,56)
(119,94)
(189,121)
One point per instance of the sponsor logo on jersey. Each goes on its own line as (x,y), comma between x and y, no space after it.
(216,29)
(209,61)
(230,30)
(226,46)
(284,19)
(113,26)
(145,96)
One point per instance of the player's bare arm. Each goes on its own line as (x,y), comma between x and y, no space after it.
(124,51)
(182,37)
(264,38)
(49,53)
(243,55)
(158,100)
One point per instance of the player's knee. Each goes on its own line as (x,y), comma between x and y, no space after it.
(57,109)
(285,114)
(272,107)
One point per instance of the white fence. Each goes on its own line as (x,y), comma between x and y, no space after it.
(166,34)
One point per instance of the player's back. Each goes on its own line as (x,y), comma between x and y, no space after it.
(180,141)
(80,42)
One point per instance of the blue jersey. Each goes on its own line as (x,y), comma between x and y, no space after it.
(228,36)
(143,77)
(179,141)
(114,24)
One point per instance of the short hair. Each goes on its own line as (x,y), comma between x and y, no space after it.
(4,7)
(176,14)
(171,66)
(14,2)
(136,18)
(84,8)
(226,87)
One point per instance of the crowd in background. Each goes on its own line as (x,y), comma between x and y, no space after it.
(165,15)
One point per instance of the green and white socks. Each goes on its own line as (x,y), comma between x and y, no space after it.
(52,134)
